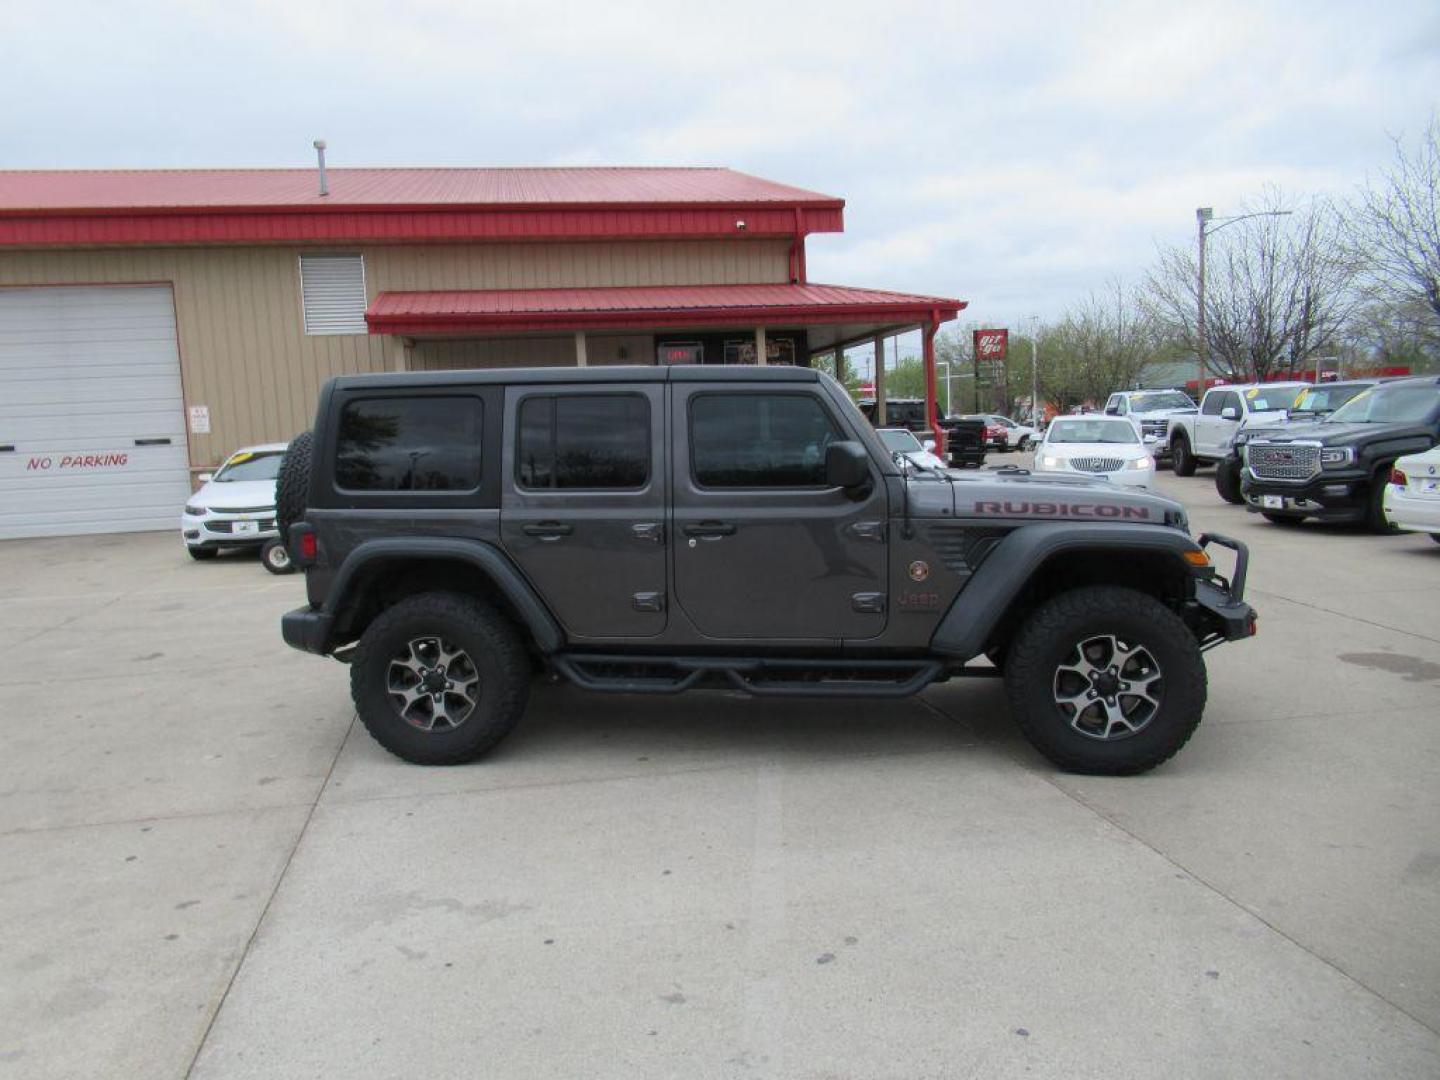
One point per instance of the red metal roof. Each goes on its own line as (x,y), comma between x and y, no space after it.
(218,206)
(496,310)
(190,189)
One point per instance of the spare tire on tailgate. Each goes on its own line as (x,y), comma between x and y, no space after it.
(292,487)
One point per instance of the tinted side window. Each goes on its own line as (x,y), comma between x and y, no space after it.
(584,441)
(759,440)
(409,444)
(1213,403)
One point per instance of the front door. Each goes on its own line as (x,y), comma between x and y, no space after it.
(583,504)
(1212,430)
(763,548)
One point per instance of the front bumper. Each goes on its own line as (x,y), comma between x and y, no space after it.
(1333,496)
(1219,604)
(218,529)
(307,629)
(1415,513)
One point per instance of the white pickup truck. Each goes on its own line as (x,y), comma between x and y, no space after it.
(1153,411)
(1204,438)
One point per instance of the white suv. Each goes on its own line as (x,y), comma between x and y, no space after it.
(236,508)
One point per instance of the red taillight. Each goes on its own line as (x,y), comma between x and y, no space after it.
(309,546)
(1398,478)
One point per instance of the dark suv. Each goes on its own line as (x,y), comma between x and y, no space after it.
(1336,469)
(652,530)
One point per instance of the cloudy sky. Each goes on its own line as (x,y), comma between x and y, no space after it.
(1016,155)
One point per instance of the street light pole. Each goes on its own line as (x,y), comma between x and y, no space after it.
(1203,216)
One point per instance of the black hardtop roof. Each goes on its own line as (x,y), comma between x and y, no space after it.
(632,373)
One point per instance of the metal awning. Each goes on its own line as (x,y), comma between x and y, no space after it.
(838,313)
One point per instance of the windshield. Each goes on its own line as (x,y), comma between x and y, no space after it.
(1388,405)
(1092,431)
(1272,398)
(1161,399)
(248,466)
(899,442)
(1319,399)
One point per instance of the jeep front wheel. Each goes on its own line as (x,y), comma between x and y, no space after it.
(439,678)
(1106,680)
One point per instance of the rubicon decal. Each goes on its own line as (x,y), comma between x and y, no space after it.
(1066,510)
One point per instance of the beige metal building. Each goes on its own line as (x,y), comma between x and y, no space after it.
(151,322)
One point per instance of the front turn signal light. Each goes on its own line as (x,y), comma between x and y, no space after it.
(1197,558)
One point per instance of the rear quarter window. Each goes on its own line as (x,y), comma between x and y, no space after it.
(429,443)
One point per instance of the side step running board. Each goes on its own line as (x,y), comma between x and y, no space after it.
(761,677)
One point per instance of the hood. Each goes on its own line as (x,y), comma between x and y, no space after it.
(229,494)
(1020,496)
(1324,433)
(1124,451)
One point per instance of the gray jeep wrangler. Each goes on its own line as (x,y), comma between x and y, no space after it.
(652,530)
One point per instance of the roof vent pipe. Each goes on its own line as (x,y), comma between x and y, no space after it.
(320,156)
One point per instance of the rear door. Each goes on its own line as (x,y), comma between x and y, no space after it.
(583,504)
(763,548)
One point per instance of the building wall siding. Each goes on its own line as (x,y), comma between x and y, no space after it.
(244,352)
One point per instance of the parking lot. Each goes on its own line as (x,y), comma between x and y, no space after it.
(207,869)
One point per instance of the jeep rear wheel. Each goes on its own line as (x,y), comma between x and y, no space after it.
(440,678)
(1182,460)
(1106,680)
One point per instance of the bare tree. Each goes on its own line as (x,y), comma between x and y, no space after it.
(1101,346)
(1398,226)
(1279,290)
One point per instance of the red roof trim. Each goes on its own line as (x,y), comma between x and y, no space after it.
(416,225)
(536,310)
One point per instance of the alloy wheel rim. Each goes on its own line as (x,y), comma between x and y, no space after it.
(1108,687)
(433,684)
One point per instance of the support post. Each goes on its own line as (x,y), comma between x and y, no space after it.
(760,345)
(932,418)
(840,365)
(581,358)
(880,417)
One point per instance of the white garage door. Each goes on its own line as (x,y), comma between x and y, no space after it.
(92,419)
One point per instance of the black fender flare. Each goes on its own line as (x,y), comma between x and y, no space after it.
(485,557)
(988,594)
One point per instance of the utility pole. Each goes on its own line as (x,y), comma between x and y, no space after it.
(1034,372)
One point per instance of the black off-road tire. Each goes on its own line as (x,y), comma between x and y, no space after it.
(201,554)
(275,558)
(292,487)
(1282,519)
(1375,519)
(492,643)
(1049,636)
(1227,483)
(1182,458)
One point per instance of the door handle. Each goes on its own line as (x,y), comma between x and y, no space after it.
(710,530)
(548,530)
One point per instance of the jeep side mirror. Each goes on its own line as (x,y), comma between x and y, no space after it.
(1229,412)
(846,465)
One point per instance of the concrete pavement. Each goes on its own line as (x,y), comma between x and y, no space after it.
(207,870)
